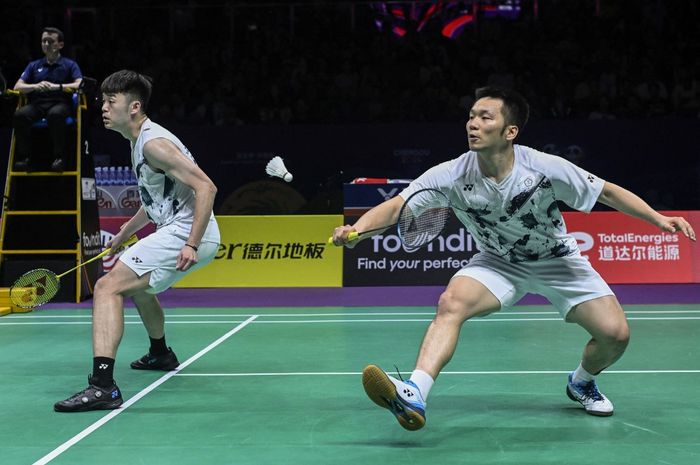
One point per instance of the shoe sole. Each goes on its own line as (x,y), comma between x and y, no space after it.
(382,392)
(153,368)
(103,406)
(590,412)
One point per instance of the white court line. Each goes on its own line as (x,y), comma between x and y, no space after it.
(330,321)
(614,372)
(346,373)
(84,433)
(473,320)
(643,429)
(289,315)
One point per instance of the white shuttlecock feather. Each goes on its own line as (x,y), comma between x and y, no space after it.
(275,167)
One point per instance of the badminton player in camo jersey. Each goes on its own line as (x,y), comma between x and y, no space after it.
(509,195)
(178,197)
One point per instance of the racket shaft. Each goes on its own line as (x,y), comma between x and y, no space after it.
(104,253)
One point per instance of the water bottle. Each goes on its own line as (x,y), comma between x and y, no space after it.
(132,178)
(98,176)
(120,176)
(112,176)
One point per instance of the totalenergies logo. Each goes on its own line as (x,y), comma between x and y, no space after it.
(585,241)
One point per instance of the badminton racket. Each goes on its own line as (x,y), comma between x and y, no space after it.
(38,286)
(422,218)
(426,212)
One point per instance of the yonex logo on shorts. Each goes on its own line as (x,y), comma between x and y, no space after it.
(136,260)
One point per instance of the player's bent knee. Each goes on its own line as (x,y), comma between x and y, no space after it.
(109,284)
(451,307)
(622,337)
(617,336)
(103,286)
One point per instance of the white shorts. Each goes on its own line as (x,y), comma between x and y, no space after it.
(565,281)
(157,253)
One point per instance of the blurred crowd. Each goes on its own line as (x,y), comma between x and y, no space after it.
(246,63)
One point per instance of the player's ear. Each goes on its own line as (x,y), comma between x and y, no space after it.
(511,132)
(134,107)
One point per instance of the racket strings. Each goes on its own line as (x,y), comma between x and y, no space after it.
(34,288)
(418,230)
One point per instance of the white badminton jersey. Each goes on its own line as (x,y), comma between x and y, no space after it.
(166,200)
(517,219)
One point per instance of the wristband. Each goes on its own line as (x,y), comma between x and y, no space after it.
(192,247)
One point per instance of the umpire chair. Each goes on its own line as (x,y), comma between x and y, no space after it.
(50,219)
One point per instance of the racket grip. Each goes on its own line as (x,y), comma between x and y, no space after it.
(105,252)
(351,237)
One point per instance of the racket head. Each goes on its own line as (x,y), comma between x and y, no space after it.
(422,218)
(34,288)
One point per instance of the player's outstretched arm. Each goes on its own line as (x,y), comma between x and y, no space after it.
(627,202)
(382,216)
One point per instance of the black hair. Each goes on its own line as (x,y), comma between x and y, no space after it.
(516,110)
(54,30)
(129,82)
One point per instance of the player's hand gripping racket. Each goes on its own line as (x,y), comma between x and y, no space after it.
(38,286)
(422,218)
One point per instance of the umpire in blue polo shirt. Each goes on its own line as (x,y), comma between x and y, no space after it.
(44,81)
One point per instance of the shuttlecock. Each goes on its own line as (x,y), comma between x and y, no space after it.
(275,167)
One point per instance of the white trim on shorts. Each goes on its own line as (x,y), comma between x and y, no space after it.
(564,281)
(157,253)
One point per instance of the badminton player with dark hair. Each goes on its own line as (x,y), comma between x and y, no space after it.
(506,195)
(178,197)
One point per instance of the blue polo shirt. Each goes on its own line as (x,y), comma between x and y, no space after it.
(64,71)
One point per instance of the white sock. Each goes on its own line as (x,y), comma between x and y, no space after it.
(581,376)
(424,382)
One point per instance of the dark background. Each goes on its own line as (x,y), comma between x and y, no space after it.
(348,89)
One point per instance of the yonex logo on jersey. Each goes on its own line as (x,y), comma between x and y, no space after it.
(469,187)
(136,260)
(591,178)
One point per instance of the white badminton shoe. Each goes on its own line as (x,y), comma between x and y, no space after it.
(588,395)
(402,398)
